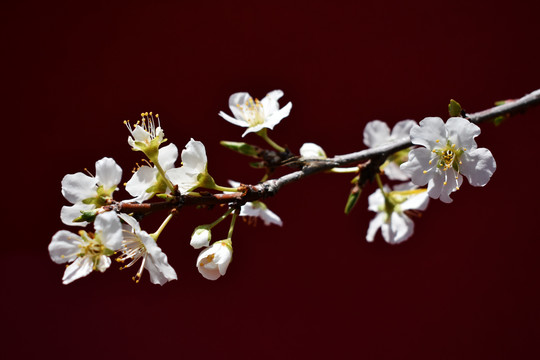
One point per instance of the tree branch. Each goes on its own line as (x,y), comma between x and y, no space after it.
(376,156)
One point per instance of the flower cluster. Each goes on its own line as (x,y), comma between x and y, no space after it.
(439,155)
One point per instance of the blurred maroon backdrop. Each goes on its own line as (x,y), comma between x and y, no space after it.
(465,286)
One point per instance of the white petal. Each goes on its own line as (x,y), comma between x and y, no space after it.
(462,132)
(110,228)
(374,225)
(208,270)
(270,102)
(254,129)
(276,118)
(134,224)
(430,130)
(103,263)
(416,165)
(375,200)
(108,173)
(402,129)
(156,262)
(239,122)
(167,156)
(140,135)
(416,202)
(78,187)
(194,156)
(376,133)
(78,269)
(200,238)
(184,177)
(269,217)
(70,213)
(402,228)
(394,172)
(64,246)
(142,180)
(435,185)
(478,166)
(236,100)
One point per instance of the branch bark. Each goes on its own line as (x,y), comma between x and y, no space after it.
(313,166)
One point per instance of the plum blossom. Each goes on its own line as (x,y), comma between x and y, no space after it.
(392,208)
(145,136)
(312,151)
(87,251)
(449,151)
(254,114)
(377,133)
(214,260)
(193,172)
(87,193)
(147,181)
(138,245)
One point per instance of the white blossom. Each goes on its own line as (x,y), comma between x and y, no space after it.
(214,261)
(391,211)
(254,114)
(87,192)
(138,245)
(87,251)
(377,133)
(312,151)
(146,181)
(449,151)
(145,136)
(193,171)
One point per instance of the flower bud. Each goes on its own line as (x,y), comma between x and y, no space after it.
(213,261)
(200,237)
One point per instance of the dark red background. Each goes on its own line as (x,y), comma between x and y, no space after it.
(465,286)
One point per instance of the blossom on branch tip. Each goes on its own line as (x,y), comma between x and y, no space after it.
(392,208)
(87,251)
(137,245)
(254,114)
(145,136)
(377,133)
(201,237)
(449,151)
(312,151)
(214,261)
(87,193)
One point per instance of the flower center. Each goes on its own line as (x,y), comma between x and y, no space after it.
(92,244)
(147,123)
(253,112)
(446,158)
(132,249)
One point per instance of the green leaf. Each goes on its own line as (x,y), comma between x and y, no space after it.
(454,109)
(352,199)
(241,147)
(498,120)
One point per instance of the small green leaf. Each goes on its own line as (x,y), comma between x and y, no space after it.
(498,120)
(242,148)
(352,199)
(454,109)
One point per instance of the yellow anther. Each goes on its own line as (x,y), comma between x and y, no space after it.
(453,145)
(437,140)
(430,161)
(457,187)
(444,183)
(425,172)
(142,114)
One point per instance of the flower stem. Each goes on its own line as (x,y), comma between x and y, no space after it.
(347,170)
(220,219)
(380,184)
(165,222)
(264,134)
(231,228)
(169,184)
(224,188)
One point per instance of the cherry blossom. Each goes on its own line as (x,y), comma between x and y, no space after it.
(87,251)
(87,193)
(448,151)
(392,208)
(254,114)
(312,151)
(214,260)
